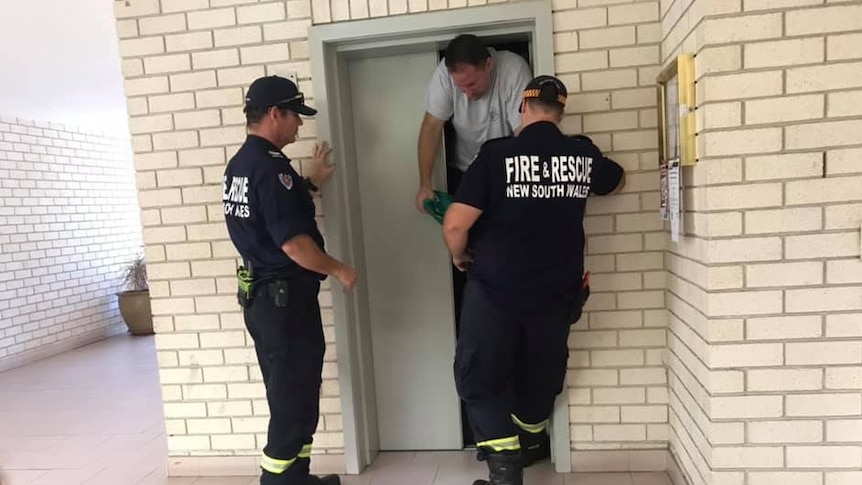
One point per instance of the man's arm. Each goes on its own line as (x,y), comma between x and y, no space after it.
(608,177)
(306,253)
(430,135)
(517,81)
(471,200)
(289,229)
(456,228)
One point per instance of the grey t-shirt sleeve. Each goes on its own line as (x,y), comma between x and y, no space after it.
(439,101)
(517,78)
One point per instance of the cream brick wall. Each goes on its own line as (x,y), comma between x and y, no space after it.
(187,64)
(608,53)
(762,305)
(756,405)
(68,223)
(762,302)
(690,330)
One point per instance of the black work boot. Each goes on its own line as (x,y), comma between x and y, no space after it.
(481,454)
(534,447)
(504,469)
(327,480)
(309,480)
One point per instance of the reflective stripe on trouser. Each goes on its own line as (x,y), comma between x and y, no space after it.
(512,443)
(530,428)
(274,465)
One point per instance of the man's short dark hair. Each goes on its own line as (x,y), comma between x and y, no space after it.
(466,49)
(254,116)
(546,106)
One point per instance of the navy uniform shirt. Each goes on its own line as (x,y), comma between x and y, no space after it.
(266,203)
(528,244)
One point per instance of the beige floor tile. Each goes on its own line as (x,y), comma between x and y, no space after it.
(543,474)
(651,479)
(124,443)
(598,479)
(67,476)
(20,477)
(225,481)
(399,475)
(356,480)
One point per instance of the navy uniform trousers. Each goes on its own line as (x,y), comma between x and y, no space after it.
(509,368)
(288,339)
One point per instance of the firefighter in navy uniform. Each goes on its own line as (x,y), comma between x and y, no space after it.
(516,227)
(269,212)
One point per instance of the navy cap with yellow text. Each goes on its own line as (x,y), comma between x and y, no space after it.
(546,88)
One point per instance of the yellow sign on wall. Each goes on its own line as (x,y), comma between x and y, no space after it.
(677,122)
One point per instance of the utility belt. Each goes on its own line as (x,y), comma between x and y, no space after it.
(273,287)
(245,286)
(249,288)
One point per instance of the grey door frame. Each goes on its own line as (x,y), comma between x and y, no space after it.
(330,46)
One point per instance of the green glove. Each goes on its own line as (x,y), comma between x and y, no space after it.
(437,206)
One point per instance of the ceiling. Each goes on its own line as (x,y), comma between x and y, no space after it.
(61,64)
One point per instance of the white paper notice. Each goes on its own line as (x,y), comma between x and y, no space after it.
(663,211)
(674,198)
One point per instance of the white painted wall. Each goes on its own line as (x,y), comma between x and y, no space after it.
(69,223)
(60,62)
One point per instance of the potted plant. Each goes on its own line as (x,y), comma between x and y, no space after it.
(135,301)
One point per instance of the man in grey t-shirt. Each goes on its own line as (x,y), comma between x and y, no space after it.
(480,90)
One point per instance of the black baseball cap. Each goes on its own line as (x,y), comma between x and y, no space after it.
(546,88)
(266,92)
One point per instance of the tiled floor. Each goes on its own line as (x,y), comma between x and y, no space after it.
(94,417)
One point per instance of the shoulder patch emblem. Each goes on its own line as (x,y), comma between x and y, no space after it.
(286,180)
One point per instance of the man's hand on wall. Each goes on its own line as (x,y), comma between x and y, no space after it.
(321,172)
